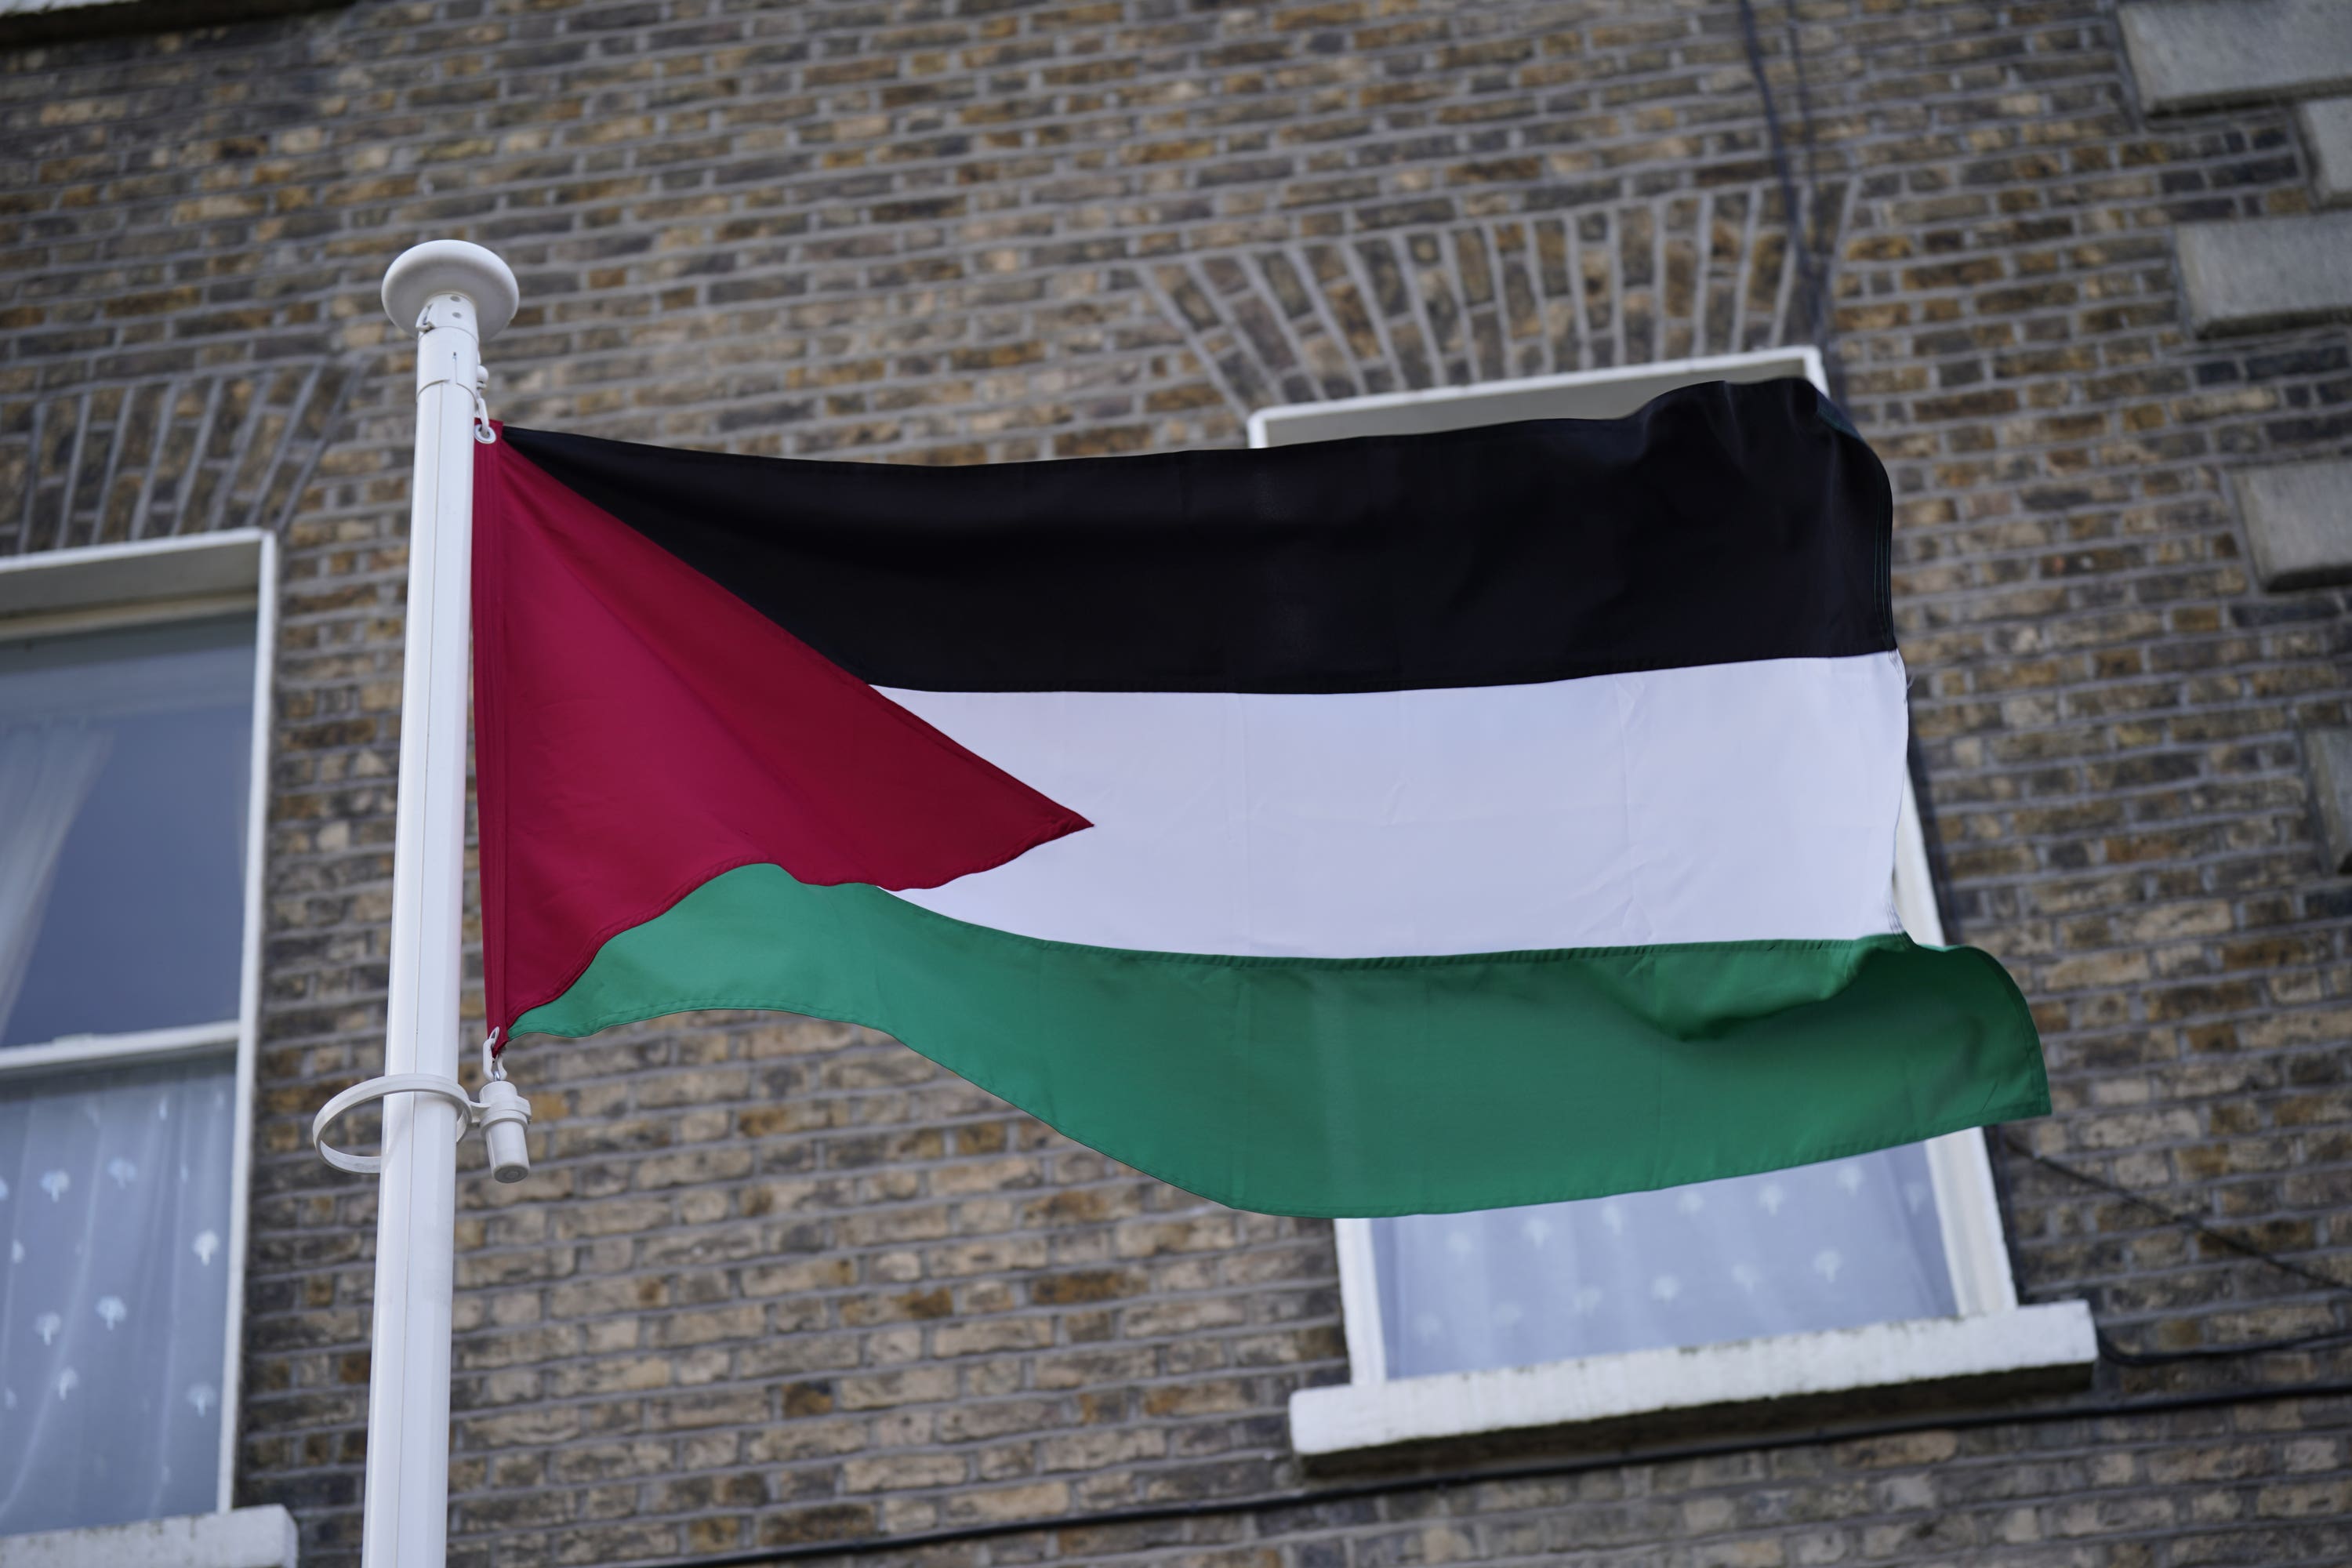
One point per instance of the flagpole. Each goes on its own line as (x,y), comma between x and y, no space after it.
(454,295)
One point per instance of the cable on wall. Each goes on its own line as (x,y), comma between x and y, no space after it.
(2110,1350)
(1805,237)
(1804,218)
(2068,1410)
(1386,1485)
(1439,1481)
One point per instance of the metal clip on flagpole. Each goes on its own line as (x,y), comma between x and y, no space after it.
(456,297)
(502,1114)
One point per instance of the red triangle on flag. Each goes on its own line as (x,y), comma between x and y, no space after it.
(639,729)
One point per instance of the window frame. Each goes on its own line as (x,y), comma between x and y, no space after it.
(146,583)
(1991,1333)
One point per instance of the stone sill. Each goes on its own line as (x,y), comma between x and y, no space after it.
(2188,55)
(2266,274)
(1352,1415)
(261,1537)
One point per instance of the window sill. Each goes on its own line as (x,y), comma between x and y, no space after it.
(242,1538)
(1350,1415)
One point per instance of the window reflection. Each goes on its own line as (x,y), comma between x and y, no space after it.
(124,763)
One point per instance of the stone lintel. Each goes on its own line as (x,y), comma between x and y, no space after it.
(2327,133)
(2299,522)
(2196,54)
(2254,275)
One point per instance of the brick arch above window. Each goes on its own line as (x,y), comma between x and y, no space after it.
(111,460)
(1676,276)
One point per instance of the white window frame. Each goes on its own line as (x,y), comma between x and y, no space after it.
(1990,1332)
(104,587)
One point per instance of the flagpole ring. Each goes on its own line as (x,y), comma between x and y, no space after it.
(359,1094)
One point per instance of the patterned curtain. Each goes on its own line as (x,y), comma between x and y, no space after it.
(1832,1245)
(114,1226)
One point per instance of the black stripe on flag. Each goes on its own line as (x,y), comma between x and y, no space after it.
(1716,524)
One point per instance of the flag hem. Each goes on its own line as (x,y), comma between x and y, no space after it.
(1627,1051)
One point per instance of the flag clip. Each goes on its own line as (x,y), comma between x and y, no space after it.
(502,1114)
(484,431)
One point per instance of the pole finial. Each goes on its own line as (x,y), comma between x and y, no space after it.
(451,267)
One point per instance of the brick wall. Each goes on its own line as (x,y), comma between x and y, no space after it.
(780,1282)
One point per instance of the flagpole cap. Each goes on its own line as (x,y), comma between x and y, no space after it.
(451,267)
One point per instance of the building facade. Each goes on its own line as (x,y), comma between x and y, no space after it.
(781,1289)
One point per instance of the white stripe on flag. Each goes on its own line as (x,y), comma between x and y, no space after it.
(1716,803)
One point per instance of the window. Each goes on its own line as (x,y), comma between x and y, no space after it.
(1886,1269)
(132,717)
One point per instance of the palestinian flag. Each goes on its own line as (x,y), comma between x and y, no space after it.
(1380,826)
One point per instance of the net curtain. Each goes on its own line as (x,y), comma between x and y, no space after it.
(114,1184)
(1833,1246)
(114,1227)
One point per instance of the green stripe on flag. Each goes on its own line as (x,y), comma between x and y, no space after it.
(1371,1086)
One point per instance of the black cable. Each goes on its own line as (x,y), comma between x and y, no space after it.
(1814,218)
(1803,221)
(2070,1410)
(2004,1193)
(860,1546)
(1778,146)
(1805,240)
(1388,1486)
(2243,1248)
(2112,1351)
(1804,237)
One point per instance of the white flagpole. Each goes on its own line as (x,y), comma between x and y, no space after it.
(454,295)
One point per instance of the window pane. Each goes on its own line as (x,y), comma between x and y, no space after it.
(113,1294)
(123,769)
(1832,1245)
